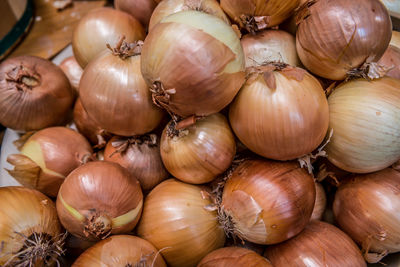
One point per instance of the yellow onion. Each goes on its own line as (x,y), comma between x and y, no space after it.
(47,157)
(194,63)
(234,256)
(34,94)
(30,232)
(98,199)
(139,9)
(335,37)
(320,244)
(258,15)
(103,26)
(395,39)
(73,71)
(367,208)
(270,46)
(177,222)
(121,250)
(364,117)
(168,7)
(267,202)
(140,155)
(114,94)
(391,61)
(280,114)
(320,202)
(199,153)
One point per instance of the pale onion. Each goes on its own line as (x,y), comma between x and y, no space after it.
(199,153)
(139,9)
(395,39)
(364,117)
(367,208)
(103,26)
(391,61)
(270,46)
(121,250)
(168,7)
(114,94)
(98,199)
(267,202)
(73,71)
(175,220)
(320,202)
(47,157)
(320,244)
(280,114)
(194,62)
(30,232)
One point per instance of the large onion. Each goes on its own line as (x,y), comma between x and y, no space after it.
(139,9)
(194,62)
(364,117)
(391,60)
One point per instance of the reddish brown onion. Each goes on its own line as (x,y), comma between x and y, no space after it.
(139,9)
(391,60)
(73,71)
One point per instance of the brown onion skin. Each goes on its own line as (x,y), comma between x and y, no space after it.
(251,195)
(320,202)
(234,256)
(47,102)
(342,35)
(141,10)
(320,244)
(391,60)
(73,71)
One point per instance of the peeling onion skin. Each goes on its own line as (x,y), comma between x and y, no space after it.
(251,194)
(342,35)
(372,203)
(320,202)
(357,109)
(35,97)
(139,9)
(320,244)
(391,59)
(73,71)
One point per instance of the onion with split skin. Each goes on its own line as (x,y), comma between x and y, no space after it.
(139,9)
(391,61)
(73,71)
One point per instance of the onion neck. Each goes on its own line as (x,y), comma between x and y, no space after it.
(253,24)
(23,78)
(125,50)
(122,144)
(98,225)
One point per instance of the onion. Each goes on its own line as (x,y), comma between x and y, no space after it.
(47,157)
(115,95)
(200,152)
(121,250)
(234,256)
(175,220)
(391,60)
(395,39)
(103,26)
(320,244)
(73,71)
(139,9)
(98,199)
(258,15)
(270,46)
(34,94)
(140,156)
(364,117)
(280,114)
(320,202)
(194,62)
(367,208)
(335,37)
(168,7)
(30,232)
(267,202)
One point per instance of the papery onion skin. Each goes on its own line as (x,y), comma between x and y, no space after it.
(99,27)
(234,256)
(73,71)
(341,35)
(98,199)
(121,250)
(34,94)
(364,116)
(320,202)
(251,195)
(175,221)
(320,244)
(192,71)
(391,60)
(395,41)
(200,152)
(25,213)
(141,10)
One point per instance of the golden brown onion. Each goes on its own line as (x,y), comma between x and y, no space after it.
(320,244)
(268,202)
(320,202)
(73,71)
(98,199)
(395,39)
(139,9)
(391,60)
(175,220)
(334,37)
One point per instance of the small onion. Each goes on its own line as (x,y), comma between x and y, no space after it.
(73,71)
(364,117)
(34,94)
(320,202)
(395,39)
(98,199)
(267,202)
(47,157)
(194,62)
(139,9)
(320,244)
(121,250)
(391,60)
(175,220)
(200,152)
(30,232)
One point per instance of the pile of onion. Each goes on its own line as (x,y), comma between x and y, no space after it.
(139,9)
